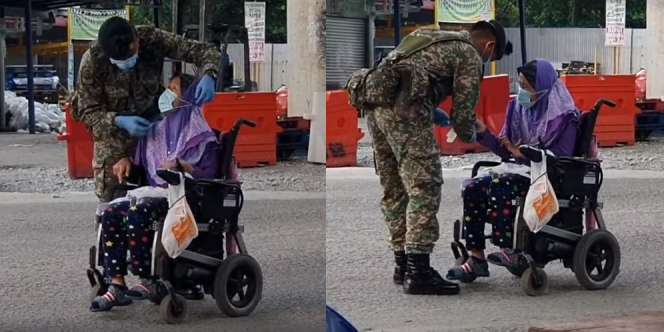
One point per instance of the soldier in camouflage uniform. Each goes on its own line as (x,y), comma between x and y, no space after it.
(120,82)
(427,67)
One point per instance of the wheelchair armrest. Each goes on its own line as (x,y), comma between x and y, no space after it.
(171,177)
(483,163)
(128,186)
(215,182)
(534,154)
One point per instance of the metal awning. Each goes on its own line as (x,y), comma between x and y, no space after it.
(29,6)
(47,4)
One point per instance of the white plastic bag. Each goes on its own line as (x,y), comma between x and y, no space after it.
(180,226)
(505,168)
(541,201)
(147,191)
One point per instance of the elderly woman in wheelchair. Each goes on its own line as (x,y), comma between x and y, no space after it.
(181,141)
(217,259)
(543,115)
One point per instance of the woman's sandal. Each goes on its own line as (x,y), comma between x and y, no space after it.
(115,296)
(142,290)
(470,270)
(506,257)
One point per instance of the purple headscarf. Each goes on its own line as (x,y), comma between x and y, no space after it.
(540,124)
(185,135)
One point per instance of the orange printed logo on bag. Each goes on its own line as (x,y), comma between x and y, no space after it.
(184,230)
(545,205)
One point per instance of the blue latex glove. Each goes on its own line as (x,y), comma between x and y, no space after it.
(441,119)
(205,90)
(133,124)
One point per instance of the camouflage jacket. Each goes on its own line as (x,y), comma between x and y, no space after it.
(104,91)
(431,65)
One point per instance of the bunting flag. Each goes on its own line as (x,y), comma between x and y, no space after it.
(465,11)
(86,22)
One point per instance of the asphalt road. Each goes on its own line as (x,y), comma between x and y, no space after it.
(359,263)
(43,255)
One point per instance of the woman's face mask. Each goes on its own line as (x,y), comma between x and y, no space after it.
(127,64)
(167,101)
(524,97)
(527,98)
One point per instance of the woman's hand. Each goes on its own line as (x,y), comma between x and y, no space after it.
(480,127)
(513,149)
(121,169)
(173,166)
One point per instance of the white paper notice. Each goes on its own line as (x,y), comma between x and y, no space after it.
(615,23)
(254,21)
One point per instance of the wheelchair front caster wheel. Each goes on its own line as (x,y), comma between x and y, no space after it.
(238,285)
(516,271)
(159,293)
(534,282)
(173,309)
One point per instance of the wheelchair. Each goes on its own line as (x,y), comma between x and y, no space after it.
(217,259)
(588,249)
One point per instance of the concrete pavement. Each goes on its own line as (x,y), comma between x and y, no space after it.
(43,257)
(359,263)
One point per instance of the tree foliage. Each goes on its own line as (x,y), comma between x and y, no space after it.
(567,13)
(229,12)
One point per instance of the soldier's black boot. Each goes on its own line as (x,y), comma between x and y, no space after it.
(400,268)
(422,279)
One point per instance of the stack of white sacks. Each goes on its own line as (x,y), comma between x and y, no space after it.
(48,117)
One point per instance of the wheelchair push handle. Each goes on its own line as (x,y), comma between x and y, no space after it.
(603,102)
(245,122)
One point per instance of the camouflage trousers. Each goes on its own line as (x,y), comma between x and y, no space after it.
(407,162)
(107,187)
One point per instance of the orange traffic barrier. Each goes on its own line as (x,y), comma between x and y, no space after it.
(79,147)
(254,146)
(342,131)
(615,126)
(491,108)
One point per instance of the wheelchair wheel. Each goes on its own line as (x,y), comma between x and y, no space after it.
(173,310)
(596,260)
(160,293)
(534,282)
(238,285)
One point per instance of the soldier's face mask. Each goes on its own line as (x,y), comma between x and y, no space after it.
(126,64)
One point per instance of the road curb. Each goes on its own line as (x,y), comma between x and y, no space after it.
(368,173)
(647,321)
(13,198)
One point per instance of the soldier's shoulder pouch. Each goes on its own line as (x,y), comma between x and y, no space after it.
(369,88)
